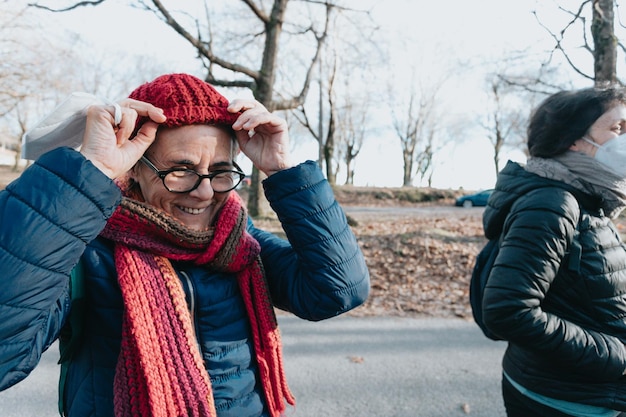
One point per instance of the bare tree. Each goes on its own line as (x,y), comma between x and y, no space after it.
(23,127)
(16,64)
(341,73)
(424,161)
(604,44)
(347,123)
(353,127)
(41,68)
(255,62)
(326,138)
(504,119)
(330,142)
(415,126)
(350,109)
(33,67)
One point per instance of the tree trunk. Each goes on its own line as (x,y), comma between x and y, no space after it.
(329,150)
(258,205)
(407,168)
(349,166)
(605,44)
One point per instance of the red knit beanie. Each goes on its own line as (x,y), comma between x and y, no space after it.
(185,100)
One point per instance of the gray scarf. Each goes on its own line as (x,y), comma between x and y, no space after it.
(585,174)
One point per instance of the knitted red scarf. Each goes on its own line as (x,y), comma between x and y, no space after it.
(160,371)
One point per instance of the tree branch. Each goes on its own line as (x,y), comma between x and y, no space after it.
(327,3)
(298,100)
(229,83)
(75,6)
(305,122)
(201,46)
(258,12)
(558,45)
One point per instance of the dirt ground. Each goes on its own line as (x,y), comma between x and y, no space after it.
(420,258)
(419,255)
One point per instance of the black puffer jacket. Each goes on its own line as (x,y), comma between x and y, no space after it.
(557,292)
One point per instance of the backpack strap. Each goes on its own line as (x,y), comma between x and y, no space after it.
(71,333)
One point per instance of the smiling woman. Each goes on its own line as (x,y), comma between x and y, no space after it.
(181,283)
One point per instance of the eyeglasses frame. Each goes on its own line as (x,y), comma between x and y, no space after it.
(163,173)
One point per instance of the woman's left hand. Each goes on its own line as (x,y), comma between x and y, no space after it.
(263,137)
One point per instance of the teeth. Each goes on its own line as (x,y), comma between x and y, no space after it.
(191,210)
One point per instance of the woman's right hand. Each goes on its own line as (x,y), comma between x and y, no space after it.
(109,146)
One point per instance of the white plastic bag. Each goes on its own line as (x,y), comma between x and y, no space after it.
(65,126)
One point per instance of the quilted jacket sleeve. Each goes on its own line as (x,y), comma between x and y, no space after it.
(47,216)
(535,240)
(320,272)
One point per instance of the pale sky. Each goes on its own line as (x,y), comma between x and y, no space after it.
(425,29)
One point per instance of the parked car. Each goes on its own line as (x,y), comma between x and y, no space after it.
(474,200)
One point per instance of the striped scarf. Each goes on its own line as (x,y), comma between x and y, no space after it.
(160,370)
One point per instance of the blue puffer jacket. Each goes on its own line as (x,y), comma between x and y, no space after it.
(52,215)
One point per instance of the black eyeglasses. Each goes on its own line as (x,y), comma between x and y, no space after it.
(183,180)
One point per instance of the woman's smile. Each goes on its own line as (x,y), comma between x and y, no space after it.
(191,210)
(200,148)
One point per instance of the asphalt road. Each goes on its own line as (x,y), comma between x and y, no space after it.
(386,212)
(349,367)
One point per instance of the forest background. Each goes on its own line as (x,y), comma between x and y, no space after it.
(406,102)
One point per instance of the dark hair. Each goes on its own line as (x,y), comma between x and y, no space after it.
(563,118)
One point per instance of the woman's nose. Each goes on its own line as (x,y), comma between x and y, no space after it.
(204,191)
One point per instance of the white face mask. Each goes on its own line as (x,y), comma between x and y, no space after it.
(612,154)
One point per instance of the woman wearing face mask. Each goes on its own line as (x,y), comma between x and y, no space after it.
(557,291)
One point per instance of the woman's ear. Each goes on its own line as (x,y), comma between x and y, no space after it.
(133,172)
(575,146)
(583,146)
(129,183)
